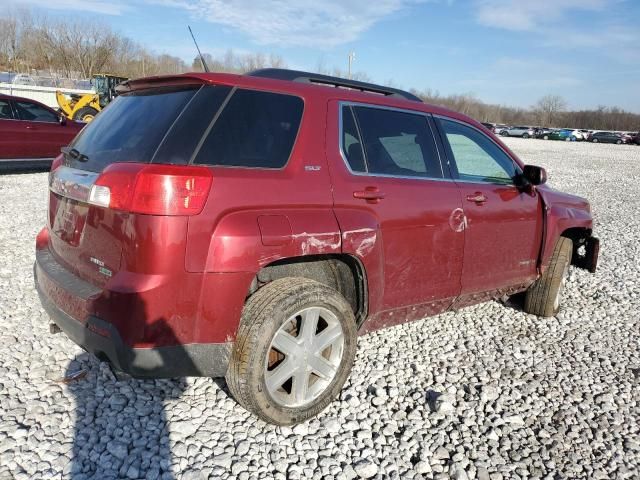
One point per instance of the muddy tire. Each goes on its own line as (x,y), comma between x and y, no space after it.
(85,114)
(294,350)
(543,297)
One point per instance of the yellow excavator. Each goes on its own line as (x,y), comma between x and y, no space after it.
(84,107)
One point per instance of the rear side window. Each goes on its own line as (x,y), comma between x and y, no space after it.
(255,129)
(397,143)
(35,113)
(351,144)
(5,110)
(476,157)
(131,128)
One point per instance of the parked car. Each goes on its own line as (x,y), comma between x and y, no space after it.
(564,134)
(543,133)
(635,139)
(488,126)
(627,137)
(31,134)
(260,224)
(499,127)
(578,135)
(524,132)
(605,137)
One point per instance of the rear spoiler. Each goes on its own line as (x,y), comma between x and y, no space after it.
(161,81)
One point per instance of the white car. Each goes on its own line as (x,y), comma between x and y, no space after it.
(524,132)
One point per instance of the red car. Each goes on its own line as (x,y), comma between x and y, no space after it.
(251,226)
(31,134)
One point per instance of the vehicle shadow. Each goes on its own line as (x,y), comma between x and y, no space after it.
(121,426)
(515,302)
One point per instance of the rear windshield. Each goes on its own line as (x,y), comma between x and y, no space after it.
(183,125)
(147,126)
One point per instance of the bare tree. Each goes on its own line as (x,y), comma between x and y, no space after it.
(549,107)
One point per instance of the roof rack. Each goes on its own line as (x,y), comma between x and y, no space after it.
(337,82)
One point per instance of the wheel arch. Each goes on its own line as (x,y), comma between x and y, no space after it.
(575,224)
(343,272)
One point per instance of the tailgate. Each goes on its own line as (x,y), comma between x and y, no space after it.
(86,239)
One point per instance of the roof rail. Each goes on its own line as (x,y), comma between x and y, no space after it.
(337,82)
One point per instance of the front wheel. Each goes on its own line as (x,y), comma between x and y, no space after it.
(546,137)
(595,140)
(293,352)
(543,297)
(525,135)
(85,114)
(618,142)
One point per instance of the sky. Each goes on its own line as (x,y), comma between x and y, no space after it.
(510,52)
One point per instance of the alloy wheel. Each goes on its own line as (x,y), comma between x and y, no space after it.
(304,357)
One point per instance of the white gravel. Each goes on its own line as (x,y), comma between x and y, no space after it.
(488,392)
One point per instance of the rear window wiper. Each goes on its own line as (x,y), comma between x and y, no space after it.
(75,154)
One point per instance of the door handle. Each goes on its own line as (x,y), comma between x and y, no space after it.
(477,197)
(370,194)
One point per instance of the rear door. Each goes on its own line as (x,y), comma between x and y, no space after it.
(503,222)
(43,133)
(397,210)
(12,132)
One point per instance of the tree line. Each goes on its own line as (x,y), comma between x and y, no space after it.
(75,48)
(550,111)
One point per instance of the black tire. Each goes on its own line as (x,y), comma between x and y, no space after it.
(263,315)
(85,114)
(595,140)
(543,297)
(618,142)
(504,133)
(525,135)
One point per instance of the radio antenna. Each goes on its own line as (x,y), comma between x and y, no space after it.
(204,64)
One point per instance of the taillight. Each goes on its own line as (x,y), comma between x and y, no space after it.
(152,189)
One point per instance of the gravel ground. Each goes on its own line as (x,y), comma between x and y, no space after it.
(488,392)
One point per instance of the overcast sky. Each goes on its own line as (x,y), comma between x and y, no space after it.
(503,51)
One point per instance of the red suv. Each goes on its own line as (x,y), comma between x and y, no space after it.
(253,226)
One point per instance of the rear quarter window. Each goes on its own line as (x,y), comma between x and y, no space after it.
(255,129)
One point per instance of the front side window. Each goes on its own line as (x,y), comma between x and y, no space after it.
(255,129)
(476,157)
(394,143)
(5,110)
(35,113)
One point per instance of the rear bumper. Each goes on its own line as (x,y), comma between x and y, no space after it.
(103,340)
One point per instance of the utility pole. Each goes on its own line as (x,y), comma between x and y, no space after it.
(352,57)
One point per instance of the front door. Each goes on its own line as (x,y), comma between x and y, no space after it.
(503,222)
(12,132)
(43,130)
(398,212)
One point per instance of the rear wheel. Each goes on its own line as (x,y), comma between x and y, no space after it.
(85,114)
(543,297)
(618,142)
(294,350)
(525,135)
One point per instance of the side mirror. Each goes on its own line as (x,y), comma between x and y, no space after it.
(534,175)
(62,119)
